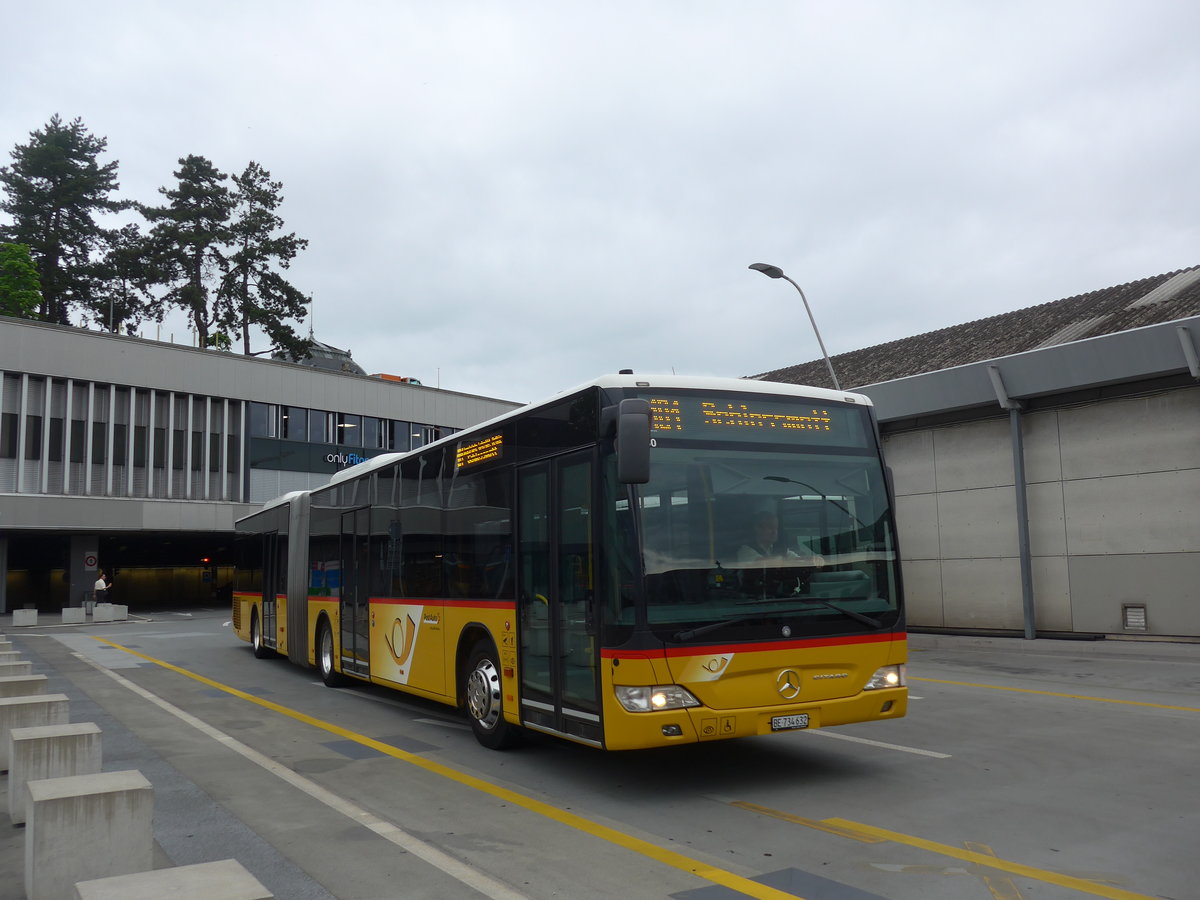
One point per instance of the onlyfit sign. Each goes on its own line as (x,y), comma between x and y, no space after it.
(346,459)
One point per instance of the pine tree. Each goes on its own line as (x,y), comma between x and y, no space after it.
(188,241)
(54,188)
(124,278)
(253,291)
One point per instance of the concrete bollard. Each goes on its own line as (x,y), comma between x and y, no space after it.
(49,751)
(22,685)
(29,712)
(74,615)
(24,667)
(102,612)
(120,612)
(86,827)
(226,879)
(23,618)
(10,656)
(6,646)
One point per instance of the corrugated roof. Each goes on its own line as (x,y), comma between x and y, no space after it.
(1148,301)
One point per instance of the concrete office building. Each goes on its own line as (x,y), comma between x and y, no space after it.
(136,456)
(1047,462)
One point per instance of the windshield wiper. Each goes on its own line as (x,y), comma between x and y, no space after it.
(713,626)
(852,613)
(846,611)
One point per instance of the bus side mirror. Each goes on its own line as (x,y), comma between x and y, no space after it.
(633,441)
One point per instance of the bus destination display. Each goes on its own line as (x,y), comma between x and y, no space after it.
(479,451)
(751,418)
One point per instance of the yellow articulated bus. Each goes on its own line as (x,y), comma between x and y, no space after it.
(639,562)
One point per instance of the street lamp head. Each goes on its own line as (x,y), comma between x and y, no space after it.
(767,269)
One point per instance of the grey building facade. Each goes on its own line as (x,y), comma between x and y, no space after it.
(119,453)
(1053,487)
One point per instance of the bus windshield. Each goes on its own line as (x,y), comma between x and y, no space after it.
(757,540)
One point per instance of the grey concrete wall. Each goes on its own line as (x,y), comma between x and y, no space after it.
(1114,508)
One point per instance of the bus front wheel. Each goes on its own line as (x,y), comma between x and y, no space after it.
(325,666)
(485,701)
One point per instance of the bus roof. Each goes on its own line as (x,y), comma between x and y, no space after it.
(620,381)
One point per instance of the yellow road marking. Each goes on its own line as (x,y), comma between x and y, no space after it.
(1001,887)
(982,859)
(807,823)
(998,687)
(595,829)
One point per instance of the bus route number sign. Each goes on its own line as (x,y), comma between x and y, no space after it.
(479,451)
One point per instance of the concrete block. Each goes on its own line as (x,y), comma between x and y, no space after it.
(24,667)
(6,646)
(102,612)
(74,615)
(22,685)
(85,827)
(226,879)
(49,751)
(23,618)
(10,656)
(120,612)
(29,712)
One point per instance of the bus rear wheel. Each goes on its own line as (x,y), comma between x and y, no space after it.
(325,666)
(261,650)
(485,700)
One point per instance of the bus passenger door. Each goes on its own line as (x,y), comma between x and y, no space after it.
(556,597)
(356,651)
(274,583)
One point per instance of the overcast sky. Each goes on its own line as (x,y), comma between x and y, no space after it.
(509,199)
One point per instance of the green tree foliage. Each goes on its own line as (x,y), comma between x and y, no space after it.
(20,290)
(188,236)
(216,252)
(254,291)
(124,281)
(54,188)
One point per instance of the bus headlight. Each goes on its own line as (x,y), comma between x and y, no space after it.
(653,699)
(887,677)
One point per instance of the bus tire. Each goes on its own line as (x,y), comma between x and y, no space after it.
(324,652)
(261,650)
(485,700)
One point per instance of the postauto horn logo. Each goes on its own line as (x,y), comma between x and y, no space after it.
(346,459)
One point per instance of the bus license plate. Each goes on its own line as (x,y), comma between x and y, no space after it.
(787,723)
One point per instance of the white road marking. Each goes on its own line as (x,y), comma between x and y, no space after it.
(389,831)
(857,740)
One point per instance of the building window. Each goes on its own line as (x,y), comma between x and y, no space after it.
(56,440)
(399,437)
(372,433)
(160,448)
(349,430)
(78,440)
(320,424)
(262,419)
(295,423)
(8,436)
(422,435)
(99,442)
(33,437)
(119,453)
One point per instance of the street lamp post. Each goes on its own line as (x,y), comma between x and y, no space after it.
(776,272)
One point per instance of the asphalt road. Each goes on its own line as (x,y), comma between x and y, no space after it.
(1044,769)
